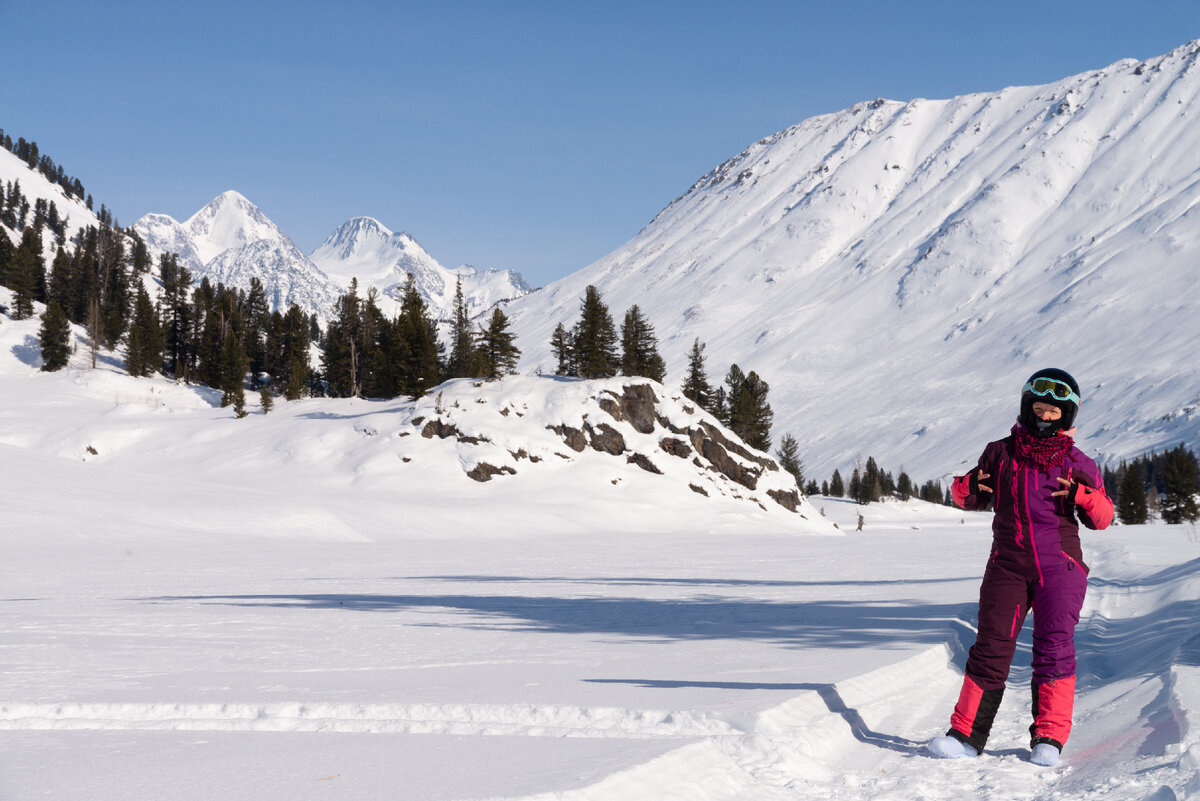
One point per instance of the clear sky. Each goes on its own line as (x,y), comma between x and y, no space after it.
(532,135)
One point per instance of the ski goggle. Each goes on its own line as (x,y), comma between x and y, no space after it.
(1058,390)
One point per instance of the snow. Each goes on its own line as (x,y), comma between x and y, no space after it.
(281,607)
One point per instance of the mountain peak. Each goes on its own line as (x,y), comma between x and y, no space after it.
(230,221)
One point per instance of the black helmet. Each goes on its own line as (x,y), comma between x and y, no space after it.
(1057,388)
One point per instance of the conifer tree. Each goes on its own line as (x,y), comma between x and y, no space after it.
(695,384)
(144,349)
(729,410)
(6,254)
(95,328)
(463,361)
(856,487)
(256,318)
(233,374)
(420,358)
(292,366)
(1181,482)
(595,338)
(265,400)
(340,355)
(497,350)
(639,347)
(58,286)
(23,274)
(1131,499)
(870,487)
(749,413)
(178,317)
(789,458)
(904,486)
(564,354)
(837,488)
(55,337)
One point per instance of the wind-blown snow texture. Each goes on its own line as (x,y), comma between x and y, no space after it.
(319,602)
(230,240)
(899,269)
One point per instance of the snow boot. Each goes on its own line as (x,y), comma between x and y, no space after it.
(1044,754)
(947,747)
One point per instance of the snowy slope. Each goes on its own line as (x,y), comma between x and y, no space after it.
(896,270)
(35,185)
(364,249)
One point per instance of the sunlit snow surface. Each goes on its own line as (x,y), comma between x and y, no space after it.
(281,607)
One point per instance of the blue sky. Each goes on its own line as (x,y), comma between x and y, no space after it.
(536,136)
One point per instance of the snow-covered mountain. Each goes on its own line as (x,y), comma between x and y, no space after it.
(364,249)
(897,269)
(231,240)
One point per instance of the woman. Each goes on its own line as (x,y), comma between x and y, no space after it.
(1039,485)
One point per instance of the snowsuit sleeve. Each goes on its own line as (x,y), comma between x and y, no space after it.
(960,490)
(1094,507)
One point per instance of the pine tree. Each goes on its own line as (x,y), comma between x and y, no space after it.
(55,337)
(6,254)
(1181,482)
(256,318)
(855,487)
(595,338)
(564,352)
(291,368)
(729,408)
(233,374)
(178,317)
(789,458)
(23,274)
(639,347)
(420,357)
(1131,499)
(750,414)
(497,350)
(904,486)
(462,362)
(695,384)
(870,487)
(144,349)
(95,329)
(340,354)
(837,489)
(265,400)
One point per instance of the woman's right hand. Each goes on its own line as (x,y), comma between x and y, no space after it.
(976,487)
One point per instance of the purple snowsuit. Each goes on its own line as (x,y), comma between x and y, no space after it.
(1036,563)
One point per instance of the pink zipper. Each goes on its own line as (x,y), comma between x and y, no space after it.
(1016,622)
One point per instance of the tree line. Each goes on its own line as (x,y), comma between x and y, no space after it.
(1157,485)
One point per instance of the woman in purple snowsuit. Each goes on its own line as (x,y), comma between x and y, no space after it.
(1039,485)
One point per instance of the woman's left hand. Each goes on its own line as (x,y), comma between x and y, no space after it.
(1068,490)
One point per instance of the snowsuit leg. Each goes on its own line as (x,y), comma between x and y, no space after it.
(1005,596)
(1056,606)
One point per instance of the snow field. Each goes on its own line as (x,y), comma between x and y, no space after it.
(282,607)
